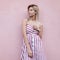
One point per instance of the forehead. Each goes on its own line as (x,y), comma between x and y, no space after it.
(30,8)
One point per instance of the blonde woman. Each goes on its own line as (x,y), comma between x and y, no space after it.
(32,31)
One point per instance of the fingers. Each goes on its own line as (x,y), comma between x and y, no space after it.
(30,55)
(34,27)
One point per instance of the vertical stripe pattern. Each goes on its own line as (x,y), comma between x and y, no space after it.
(35,44)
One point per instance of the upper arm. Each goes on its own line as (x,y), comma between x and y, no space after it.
(41,30)
(24,26)
(41,26)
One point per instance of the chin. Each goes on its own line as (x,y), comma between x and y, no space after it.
(31,15)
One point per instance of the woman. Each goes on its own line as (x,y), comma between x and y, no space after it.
(32,31)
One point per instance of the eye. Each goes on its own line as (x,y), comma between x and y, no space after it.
(31,10)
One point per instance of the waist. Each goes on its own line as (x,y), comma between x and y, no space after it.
(32,33)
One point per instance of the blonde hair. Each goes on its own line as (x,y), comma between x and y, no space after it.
(36,9)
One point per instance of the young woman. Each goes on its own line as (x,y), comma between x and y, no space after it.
(32,31)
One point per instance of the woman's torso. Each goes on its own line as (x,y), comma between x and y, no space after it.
(29,27)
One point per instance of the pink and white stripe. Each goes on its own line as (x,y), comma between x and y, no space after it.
(35,44)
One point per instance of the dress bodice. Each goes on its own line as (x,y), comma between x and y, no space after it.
(29,29)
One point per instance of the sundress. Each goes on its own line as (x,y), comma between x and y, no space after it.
(35,44)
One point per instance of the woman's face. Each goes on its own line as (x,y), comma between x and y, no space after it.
(31,11)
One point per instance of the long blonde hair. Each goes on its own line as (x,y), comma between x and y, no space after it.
(36,9)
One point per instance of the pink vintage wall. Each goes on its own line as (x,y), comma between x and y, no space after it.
(12,12)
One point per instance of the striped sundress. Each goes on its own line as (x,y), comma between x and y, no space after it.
(35,44)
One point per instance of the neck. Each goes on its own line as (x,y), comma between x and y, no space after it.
(33,18)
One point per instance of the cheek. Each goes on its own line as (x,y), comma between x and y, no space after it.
(31,12)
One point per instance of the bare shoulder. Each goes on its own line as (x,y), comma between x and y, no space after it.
(40,26)
(24,21)
(39,23)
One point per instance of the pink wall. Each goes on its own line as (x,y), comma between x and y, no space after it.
(12,12)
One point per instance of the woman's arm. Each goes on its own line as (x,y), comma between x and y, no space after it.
(24,33)
(41,31)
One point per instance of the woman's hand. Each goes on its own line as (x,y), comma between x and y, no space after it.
(30,53)
(36,28)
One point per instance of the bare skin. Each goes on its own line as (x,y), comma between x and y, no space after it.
(25,38)
(36,25)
